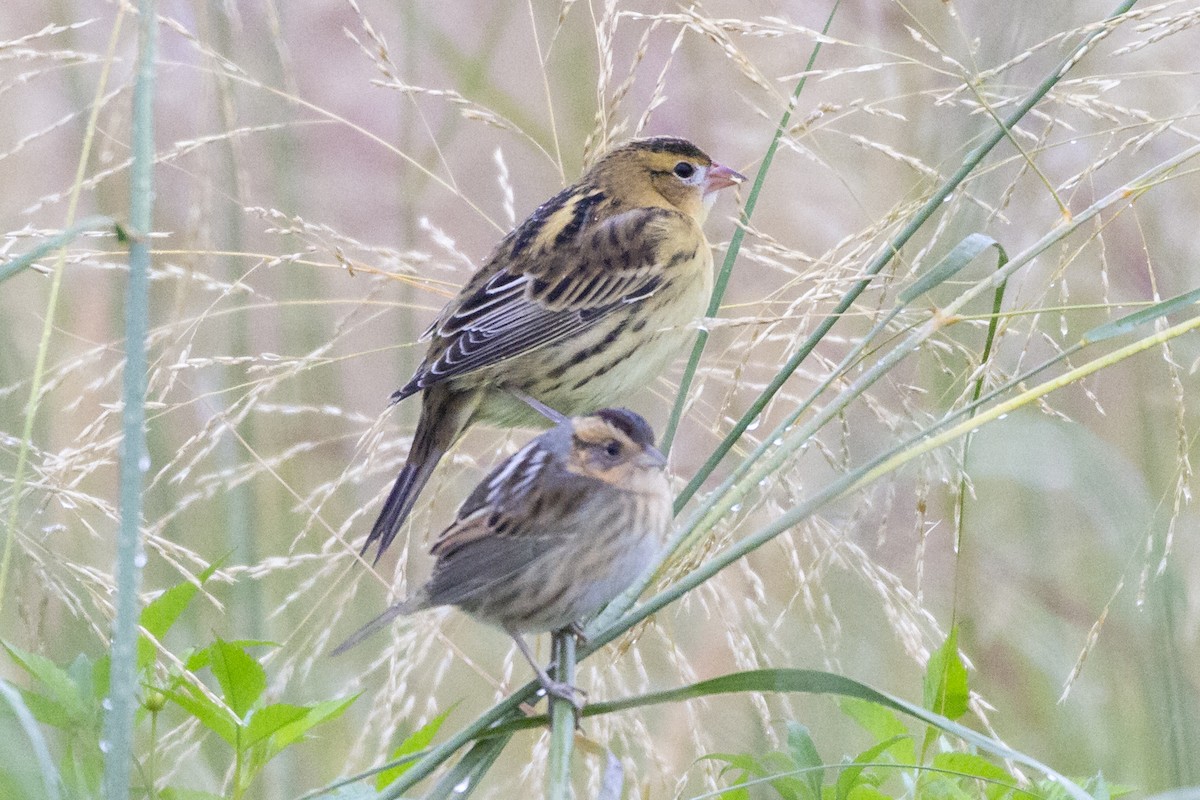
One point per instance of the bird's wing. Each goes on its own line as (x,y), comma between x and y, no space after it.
(527,505)
(550,284)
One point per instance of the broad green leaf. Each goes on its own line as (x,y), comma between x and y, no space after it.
(805,756)
(883,724)
(210,715)
(946,689)
(997,781)
(270,719)
(242,678)
(47,711)
(58,685)
(416,741)
(317,713)
(851,775)
(202,658)
(164,611)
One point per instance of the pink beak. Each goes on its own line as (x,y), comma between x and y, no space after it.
(720,176)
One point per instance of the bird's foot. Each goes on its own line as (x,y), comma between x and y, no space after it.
(576,630)
(560,690)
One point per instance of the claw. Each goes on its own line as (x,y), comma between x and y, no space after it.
(567,693)
(576,630)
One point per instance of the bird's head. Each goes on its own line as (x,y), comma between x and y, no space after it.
(614,445)
(664,168)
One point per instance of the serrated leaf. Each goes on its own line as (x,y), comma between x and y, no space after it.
(207,712)
(946,690)
(199,659)
(318,713)
(242,678)
(804,756)
(416,741)
(268,720)
(164,611)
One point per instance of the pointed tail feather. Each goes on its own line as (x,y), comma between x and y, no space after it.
(401,499)
(377,624)
(444,415)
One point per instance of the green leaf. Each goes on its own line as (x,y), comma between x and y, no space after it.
(1128,322)
(804,756)
(199,659)
(164,611)
(242,678)
(932,786)
(946,690)
(210,714)
(997,781)
(960,256)
(270,719)
(416,741)
(883,724)
(60,688)
(865,791)
(171,793)
(813,682)
(318,713)
(851,775)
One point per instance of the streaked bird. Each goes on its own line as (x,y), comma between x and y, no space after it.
(584,302)
(552,535)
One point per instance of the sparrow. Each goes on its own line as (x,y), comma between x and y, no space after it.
(582,303)
(552,535)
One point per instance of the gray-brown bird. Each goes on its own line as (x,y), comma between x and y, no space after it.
(584,302)
(553,534)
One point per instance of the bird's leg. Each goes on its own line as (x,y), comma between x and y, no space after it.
(576,630)
(538,406)
(559,689)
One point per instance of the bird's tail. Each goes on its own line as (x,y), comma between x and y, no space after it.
(444,414)
(374,626)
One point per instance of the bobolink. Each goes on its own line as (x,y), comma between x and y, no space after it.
(553,534)
(582,303)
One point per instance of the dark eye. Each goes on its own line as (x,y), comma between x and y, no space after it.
(612,448)
(684,170)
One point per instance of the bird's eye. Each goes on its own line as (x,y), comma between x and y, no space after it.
(684,170)
(612,448)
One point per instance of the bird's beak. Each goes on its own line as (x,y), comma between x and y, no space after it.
(652,457)
(720,176)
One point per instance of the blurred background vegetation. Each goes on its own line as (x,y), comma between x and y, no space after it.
(330,172)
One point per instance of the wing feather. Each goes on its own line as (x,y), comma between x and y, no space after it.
(544,294)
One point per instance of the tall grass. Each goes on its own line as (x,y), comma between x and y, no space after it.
(328,175)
